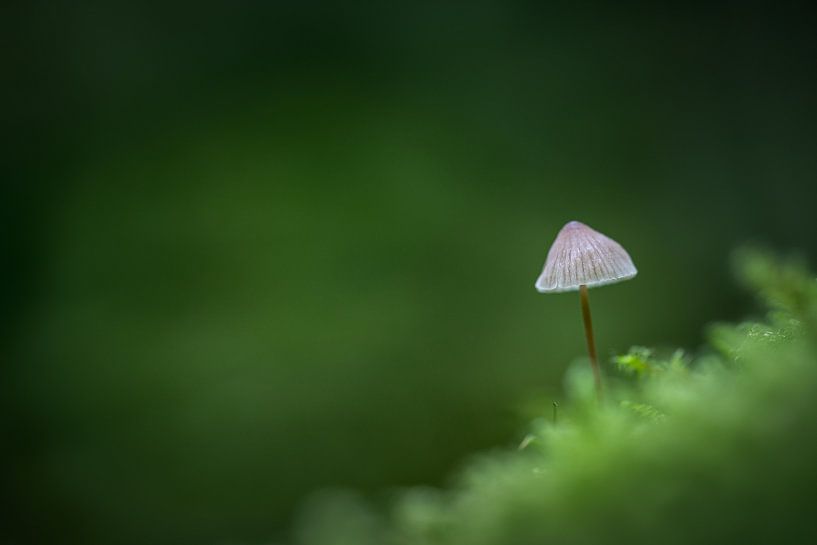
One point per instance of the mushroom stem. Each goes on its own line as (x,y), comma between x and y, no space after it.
(591,343)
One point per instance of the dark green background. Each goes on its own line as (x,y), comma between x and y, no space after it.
(257,249)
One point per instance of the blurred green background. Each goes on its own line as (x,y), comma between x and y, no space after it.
(253,250)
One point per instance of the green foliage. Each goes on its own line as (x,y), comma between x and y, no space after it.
(641,362)
(720,448)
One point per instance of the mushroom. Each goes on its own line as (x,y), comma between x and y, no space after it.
(582,258)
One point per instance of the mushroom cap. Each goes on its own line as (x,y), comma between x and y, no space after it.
(582,256)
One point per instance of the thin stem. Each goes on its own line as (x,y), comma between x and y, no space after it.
(591,343)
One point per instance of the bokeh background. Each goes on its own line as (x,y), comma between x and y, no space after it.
(254,250)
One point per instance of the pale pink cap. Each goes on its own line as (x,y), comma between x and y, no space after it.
(582,256)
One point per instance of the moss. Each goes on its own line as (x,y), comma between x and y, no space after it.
(717,448)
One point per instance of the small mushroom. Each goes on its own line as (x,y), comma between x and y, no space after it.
(582,258)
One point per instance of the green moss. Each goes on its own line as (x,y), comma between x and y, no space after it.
(721,448)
